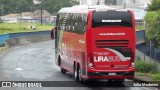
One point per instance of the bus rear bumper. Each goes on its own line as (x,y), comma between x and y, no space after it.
(106,75)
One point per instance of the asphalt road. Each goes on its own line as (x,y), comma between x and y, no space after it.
(35,62)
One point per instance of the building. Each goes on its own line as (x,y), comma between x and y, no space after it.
(11,18)
(27,14)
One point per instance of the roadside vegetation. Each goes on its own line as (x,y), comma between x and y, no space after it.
(147,69)
(152,20)
(139,28)
(18,6)
(22,27)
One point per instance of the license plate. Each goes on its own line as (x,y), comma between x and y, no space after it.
(111,74)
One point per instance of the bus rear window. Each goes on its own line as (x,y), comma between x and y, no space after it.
(111,18)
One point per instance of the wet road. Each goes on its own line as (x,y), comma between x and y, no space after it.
(35,62)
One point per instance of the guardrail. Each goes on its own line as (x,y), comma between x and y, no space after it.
(5,37)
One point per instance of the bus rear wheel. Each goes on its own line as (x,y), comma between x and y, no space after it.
(61,68)
(77,74)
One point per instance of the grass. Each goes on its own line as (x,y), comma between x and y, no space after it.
(155,76)
(147,69)
(139,28)
(22,27)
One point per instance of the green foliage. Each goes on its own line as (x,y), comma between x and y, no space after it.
(156,77)
(152,19)
(138,28)
(18,6)
(56,5)
(154,68)
(142,67)
(155,6)
(22,27)
(145,67)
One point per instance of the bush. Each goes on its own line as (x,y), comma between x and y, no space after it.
(142,66)
(145,67)
(154,68)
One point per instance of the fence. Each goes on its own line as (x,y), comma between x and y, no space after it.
(152,52)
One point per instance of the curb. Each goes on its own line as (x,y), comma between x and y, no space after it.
(143,79)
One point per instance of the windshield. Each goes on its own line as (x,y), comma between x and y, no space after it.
(111,18)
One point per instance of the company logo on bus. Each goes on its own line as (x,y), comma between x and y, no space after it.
(106,59)
(112,34)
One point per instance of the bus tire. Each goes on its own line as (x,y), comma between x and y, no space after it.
(77,73)
(61,68)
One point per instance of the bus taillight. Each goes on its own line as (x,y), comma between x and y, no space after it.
(90,60)
(132,64)
(132,61)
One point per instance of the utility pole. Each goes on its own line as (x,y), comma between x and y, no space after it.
(144,53)
(41,14)
(39,2)
(2,10)
(150,49)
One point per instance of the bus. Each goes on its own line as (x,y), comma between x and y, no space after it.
(95,44)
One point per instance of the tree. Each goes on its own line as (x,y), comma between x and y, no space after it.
(153,27)
(18,6)
(55,5)
(152,20)
(155,6)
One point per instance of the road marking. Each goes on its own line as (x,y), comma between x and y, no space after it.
(18,69)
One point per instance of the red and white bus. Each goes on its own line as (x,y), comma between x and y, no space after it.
(95,43)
